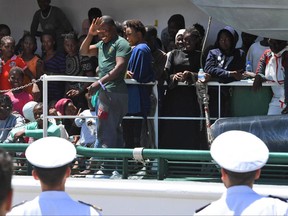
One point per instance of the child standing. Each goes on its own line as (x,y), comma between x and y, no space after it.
(18,97)
(88,134)
(88,126)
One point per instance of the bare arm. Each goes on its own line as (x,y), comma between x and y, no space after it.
(29,73)
(86,49)
(35,88)
(91,50)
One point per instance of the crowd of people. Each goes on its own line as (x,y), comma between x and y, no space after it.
(115,51)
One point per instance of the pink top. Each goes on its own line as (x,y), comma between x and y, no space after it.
(19,100)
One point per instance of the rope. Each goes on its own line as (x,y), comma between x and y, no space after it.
(22,87)
(202,92)
(204,41)
(202,95)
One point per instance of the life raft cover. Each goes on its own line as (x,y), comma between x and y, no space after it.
(273,130)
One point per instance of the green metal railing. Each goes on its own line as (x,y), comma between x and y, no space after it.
(161,164)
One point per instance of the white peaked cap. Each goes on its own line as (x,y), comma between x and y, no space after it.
(28,110)
(239,151)
(50,152)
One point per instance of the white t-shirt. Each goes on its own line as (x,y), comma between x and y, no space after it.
(254,54)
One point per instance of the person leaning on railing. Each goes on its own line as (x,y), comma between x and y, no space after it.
(140,69)
(273,66)
(225,64)
(179,100)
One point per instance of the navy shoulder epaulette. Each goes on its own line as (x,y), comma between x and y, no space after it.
(277,197)
(200,209)
(18,204)
(93,206)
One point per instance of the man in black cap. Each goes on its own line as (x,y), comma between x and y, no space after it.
(51,158)
(241,155)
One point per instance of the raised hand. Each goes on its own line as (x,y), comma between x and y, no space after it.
(95,26)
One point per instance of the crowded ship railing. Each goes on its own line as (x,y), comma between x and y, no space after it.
(153,163)
(46,78)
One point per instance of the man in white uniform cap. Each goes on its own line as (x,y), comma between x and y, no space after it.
(241,155)
(51,158)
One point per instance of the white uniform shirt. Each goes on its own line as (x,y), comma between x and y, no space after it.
(242,200)
(53,203)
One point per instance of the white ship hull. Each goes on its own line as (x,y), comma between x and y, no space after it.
(138,197)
